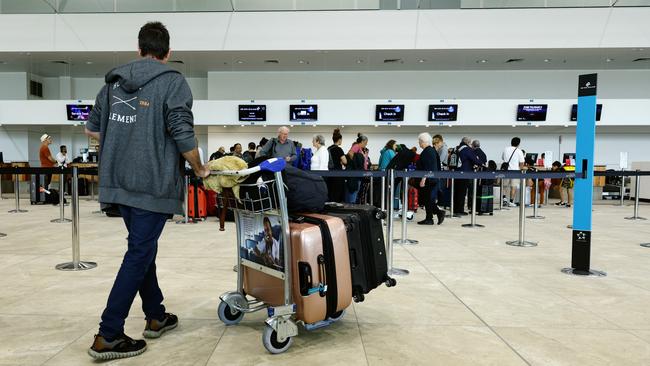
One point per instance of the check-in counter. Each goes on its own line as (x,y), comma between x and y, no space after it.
(644,193)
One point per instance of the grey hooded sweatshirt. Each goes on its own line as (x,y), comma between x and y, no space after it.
(144,117)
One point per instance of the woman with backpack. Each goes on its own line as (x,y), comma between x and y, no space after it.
(387,154)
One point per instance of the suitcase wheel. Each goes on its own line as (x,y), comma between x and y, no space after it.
(391,282)
(337,316)
(359,297)
(271,343)
(227,316)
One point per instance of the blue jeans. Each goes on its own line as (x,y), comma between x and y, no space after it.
(137,273)
(351,196)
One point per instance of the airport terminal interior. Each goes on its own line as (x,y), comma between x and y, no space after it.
(366,182)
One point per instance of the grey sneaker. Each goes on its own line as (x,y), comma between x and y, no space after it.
(121,347)
(155,328)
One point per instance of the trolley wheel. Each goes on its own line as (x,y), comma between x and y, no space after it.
(226,315)
(359,297)
(391,282)
(337,316)
(271,343)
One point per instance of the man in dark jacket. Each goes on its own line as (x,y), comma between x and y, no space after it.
(429,161)
(143,119)
(469,161)
(400,161)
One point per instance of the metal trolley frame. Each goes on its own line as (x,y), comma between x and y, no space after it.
(280,325)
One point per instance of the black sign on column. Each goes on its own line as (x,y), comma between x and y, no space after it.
(581,253)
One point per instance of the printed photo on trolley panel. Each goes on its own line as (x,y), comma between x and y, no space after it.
(262,242)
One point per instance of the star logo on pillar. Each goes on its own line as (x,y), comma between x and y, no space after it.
(582,235)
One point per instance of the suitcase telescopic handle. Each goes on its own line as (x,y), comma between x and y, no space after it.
(322,272)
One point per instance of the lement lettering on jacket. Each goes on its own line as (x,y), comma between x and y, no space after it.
(124,110)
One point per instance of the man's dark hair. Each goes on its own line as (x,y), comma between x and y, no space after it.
(232,148)
(251,146)
(153,40)
(557,164)
(515,141)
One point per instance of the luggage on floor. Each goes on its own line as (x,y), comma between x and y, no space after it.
(485,199)
(211,197)
(320,270)
(197,202)
(368,263)
(413,199)
(36,194)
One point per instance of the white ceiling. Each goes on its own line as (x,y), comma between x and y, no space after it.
(125,6)
(198,64)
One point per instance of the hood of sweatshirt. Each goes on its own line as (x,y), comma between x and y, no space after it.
(136,74)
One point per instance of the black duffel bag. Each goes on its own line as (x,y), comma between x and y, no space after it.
(305,192)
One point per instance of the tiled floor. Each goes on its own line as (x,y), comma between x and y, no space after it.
(469,299)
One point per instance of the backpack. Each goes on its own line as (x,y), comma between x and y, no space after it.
(305,159)
(454,158)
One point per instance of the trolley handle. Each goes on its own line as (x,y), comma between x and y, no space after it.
(272,165)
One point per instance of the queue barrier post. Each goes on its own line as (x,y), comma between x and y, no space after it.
(521,242)
(536,203)
(77,264)
(17,195)
(404,239)
(1,198)
(637,193)
(186,219)
(389,229)
(473,223)
(501,208)
(622,203)
(61,219)
(451,200)
(372,193)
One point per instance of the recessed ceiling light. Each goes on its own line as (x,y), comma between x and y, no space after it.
(264,125)
(399,125)
(224,126)
(536,125)
(376,125)
(609,60)
(290,125)
(483,61)
(89,62)
(427,126)
(302,62)
(566,125)
(359,61)
(514,125)
(240,62)
(547,60)
(422,60)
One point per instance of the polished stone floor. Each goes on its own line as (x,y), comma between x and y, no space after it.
(469,299)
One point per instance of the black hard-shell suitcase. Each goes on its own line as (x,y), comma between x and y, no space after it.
(485,199)
(37,196)
(368,263)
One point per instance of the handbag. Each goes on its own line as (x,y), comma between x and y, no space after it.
(506,165)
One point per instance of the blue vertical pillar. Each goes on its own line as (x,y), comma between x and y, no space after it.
(583,188)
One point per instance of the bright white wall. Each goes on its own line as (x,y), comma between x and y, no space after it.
(553,84)
(13,85)
(86,88)
(341,30)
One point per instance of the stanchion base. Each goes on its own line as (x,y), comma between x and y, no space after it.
(97,212)
(182,222)
(646,245)
(472,225)
(535,217)
(569,226)
(2,235)
(398,272)
(635,218)
(525,243)
(61,221)
(406,241)
(72,266)
(581,272)
(17,211)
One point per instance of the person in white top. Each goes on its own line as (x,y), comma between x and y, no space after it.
(514,157)
(321,157)
(62,159)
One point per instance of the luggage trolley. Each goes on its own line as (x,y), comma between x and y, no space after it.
(269,201)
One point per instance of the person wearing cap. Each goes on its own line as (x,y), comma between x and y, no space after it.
(45,155)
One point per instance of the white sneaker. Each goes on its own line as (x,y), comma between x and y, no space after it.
(511,204)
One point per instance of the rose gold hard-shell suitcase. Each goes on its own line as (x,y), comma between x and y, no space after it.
(320,269)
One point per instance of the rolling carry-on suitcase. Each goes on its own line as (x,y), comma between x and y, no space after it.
(368,264)
(320,271)
(485,201)
(197,201)
(36,194)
